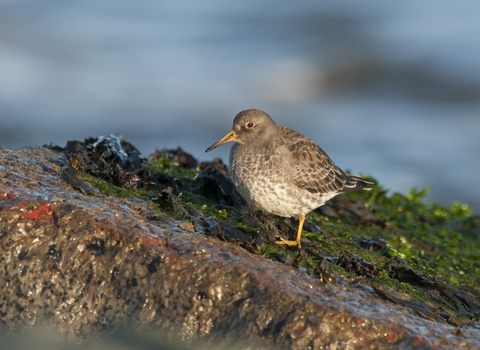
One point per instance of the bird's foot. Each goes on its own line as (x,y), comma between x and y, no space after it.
(284,241)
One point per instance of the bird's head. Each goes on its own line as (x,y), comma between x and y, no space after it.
(251,126)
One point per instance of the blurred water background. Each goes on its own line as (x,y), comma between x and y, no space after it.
(390,89)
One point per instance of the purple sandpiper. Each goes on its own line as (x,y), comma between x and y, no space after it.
(280,171)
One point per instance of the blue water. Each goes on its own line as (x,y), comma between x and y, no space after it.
(388,89)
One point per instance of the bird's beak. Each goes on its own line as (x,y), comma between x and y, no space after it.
(231,136)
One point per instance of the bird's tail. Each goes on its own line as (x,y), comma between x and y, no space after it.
(355,183)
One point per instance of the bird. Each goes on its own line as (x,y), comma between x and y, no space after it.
(281,171)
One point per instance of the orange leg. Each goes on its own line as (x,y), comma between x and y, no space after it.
(296,242)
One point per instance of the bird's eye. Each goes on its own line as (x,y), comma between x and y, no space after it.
(250,125)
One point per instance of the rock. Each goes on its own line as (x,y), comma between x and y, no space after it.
(358,266)
(372,244)
(94,155)
(348,210)
(214,183)
(86,265)
(176,156)
(463,299)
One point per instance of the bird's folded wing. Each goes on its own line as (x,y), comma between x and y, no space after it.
(314,171)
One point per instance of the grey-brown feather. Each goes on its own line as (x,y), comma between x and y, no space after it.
(314,171)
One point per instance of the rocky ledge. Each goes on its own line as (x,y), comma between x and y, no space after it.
(86,264)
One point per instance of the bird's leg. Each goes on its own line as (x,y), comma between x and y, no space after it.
(296,242)
(301,218)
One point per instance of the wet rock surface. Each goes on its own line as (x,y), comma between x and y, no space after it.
(90,264)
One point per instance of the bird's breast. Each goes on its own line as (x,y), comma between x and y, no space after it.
(266,183)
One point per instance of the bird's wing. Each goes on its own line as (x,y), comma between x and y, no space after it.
(313,170)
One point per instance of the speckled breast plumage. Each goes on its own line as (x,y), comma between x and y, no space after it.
(265,179)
